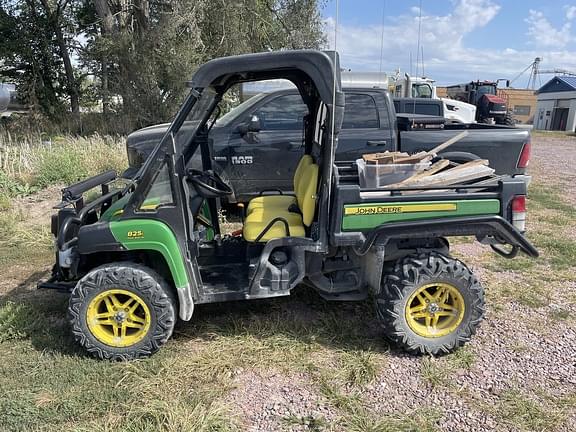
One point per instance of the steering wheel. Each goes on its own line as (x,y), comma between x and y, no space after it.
(208,184)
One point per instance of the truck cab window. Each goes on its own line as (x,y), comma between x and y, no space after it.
(422,91)
(360,112)
(282,113)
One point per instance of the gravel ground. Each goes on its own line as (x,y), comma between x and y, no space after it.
(517,347)
(553,162)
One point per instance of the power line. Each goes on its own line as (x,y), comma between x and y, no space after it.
(419,34)
(382,40)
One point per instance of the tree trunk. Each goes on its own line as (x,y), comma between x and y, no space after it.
(70,80)
(106,28)
(54,17)
(105,94)
(105,14)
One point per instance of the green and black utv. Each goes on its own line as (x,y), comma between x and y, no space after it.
(139,257)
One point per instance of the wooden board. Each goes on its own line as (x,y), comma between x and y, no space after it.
(448,143)
(385,157)
(454,176)
(437,166)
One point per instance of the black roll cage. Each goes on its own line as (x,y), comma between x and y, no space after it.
(316,74)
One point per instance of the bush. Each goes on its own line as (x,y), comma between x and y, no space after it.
(59,166)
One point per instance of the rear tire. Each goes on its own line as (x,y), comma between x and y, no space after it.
(430,304)
(122,311)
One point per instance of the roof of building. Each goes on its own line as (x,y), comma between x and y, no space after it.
(559,84)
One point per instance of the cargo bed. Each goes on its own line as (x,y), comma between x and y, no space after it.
(362,217)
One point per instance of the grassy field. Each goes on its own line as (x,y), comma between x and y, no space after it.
(296,363)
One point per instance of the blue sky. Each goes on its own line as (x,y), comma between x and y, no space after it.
(462,39)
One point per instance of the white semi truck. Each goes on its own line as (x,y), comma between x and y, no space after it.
(422,87)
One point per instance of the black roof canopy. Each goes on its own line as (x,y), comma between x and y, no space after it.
(322,68)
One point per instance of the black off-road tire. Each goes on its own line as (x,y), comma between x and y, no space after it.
(409,274)
(143,281)
(509,119)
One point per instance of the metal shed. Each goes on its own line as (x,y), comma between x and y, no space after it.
(556,106)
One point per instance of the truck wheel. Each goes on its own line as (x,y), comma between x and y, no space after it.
(122,311)
(430,303)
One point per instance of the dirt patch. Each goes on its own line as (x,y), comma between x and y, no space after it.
(36,209)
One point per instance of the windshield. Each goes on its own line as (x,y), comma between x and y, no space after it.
(421,91)
(486,89)
(243,107)
(197,111)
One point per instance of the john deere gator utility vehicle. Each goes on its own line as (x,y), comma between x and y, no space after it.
(138,258)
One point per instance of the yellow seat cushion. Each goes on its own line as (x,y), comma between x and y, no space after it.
(282,202)
(259,218)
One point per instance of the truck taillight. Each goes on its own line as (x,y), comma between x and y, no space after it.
(519,212)
(524,158)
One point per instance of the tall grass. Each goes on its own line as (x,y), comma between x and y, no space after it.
(36,161)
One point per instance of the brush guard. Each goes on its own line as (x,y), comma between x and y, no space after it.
(72,213)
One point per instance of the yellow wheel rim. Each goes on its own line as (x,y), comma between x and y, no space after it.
(435,310)
(118,318)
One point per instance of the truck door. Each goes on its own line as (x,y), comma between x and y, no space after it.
(364,130)
(266,159)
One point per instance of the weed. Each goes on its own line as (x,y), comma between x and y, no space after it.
(15,321)
(358,367)
(19,241)
(559,314)
(463,358)
(434,372)
(10,187)
(26,160)
(310,422)
(422,420)
(528,413)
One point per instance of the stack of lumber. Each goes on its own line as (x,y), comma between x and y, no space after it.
(445,173)
(440,173)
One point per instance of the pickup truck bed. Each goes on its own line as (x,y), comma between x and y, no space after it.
(500,145)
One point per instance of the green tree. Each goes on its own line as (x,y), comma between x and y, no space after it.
(133,58)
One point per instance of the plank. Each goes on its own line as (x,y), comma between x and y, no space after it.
(437,166)
(455,176)
(448,143)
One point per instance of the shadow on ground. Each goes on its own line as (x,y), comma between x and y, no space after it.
(305,317)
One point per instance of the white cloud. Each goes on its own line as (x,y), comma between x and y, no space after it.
(570,12)
(447,58)
(544,34)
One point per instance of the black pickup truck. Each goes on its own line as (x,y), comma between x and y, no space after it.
(248,140)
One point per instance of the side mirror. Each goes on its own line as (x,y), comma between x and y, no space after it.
(253,125)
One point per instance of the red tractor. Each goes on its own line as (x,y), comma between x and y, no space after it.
(490,107)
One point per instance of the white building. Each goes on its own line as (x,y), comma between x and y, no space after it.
(556,106)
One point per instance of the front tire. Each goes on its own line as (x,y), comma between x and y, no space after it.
(430,304)
(122,311)
(509,119)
